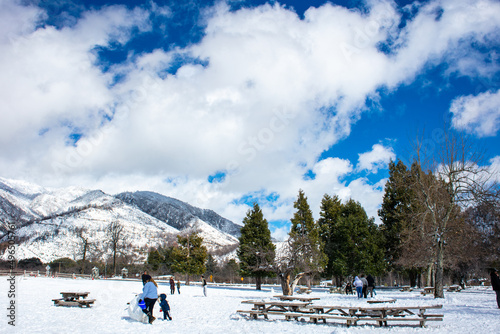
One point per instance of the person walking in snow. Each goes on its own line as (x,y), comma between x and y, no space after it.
(172,286)
(178,287)
(371,285)
(204,284)
(495,284)
(165,307)
(358,284)
(150,295)
(365,285)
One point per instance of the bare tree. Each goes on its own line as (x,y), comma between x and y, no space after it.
(451,176)
(292,263)
(114,232)
(83,234)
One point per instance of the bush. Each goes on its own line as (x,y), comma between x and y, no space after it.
(32,263)
(62,264)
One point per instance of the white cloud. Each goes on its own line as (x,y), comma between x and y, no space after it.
(495,168)
(378,158)
(276,92)
(478,114)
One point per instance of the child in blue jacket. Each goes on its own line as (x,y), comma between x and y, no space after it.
(165,307)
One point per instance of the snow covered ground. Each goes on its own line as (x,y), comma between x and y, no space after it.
(470,311)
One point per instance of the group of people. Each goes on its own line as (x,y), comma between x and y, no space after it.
(173,285)
(149,297)
(363,286)
(367,285)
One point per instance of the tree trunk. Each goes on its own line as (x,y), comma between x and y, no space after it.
(438,289)
(114,261)
(258,283)
(285,284)
(296,281)
(429,280)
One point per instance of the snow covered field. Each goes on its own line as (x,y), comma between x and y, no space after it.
(470,311)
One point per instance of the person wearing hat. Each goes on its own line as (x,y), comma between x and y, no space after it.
(495,284)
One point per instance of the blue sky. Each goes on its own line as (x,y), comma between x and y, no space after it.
(223,103)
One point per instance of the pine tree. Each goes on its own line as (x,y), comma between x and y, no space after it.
(395,210)
(330,210)
(353,242)
(190,255)
(256,251)
(155,259)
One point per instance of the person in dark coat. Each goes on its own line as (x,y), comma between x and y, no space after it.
(495,284)
(204,284)
(365,285)
(172,285)
(371,284)
(165,308)
(178,287)
(145,277)
(348,288)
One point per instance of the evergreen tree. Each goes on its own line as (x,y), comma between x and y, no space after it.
(155,259)
(189,256)
(364,242)
(330,210)
(231,269)
(256,251)
(353,242)
(211,266)
(395,210)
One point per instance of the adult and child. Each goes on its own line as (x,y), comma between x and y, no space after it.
(149,297)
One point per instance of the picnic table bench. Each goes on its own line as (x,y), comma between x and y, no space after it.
(304,290)
(354,314)
(351,314)
(378,301)
(454,288)
(406,288)
(428,290)
(265,308)
(73,299)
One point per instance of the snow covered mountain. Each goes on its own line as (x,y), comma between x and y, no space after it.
(52,223)
(176,213)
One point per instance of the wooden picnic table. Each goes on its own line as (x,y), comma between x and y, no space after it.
(405,288)
(379,314)
(74,299)
(428,290)
(265,308)
(74,295)
(351,314)
(299,298)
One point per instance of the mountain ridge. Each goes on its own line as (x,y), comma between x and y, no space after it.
(48,220)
